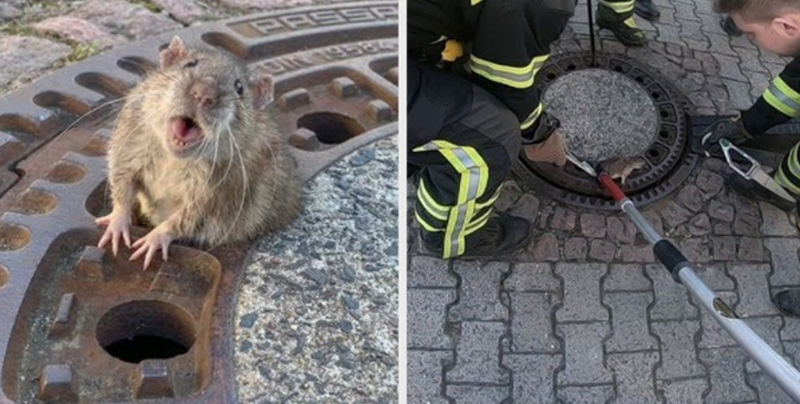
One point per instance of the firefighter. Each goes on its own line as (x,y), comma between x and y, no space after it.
(471,103)
(775,26)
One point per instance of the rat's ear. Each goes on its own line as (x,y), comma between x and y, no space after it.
(263,86)
(175,52)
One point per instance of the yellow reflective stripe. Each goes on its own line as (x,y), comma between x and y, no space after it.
(630,22)
(491,200)
(474,2)
(793,168)
(532,117)
(619,7)
(783,98)
(781,176)
(425,225)
(478,223)
(781,179)
(516,77)
(474,178)
(431,206)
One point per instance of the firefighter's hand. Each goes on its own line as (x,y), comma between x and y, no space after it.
(552,150)
(730,129)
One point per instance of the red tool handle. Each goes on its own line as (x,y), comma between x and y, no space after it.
(611,186)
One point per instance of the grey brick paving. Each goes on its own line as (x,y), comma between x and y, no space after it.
(584,315)
(476,354)
(426,317)
(425,370)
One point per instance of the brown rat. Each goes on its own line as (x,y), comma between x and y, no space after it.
(622,167)
(196,147)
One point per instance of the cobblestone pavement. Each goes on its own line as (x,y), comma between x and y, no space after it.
(38,36)
(584,315)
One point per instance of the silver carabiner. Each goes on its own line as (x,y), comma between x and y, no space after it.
(726,147)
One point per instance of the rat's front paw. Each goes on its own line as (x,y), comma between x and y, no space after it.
(117,225)
(158,238)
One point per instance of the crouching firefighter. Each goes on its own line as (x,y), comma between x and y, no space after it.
(775,26)
(471,107)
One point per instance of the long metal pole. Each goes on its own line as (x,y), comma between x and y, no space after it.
(591,31)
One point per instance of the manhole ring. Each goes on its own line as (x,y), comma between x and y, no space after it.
(669,162)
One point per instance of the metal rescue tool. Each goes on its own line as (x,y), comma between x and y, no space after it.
(755,172)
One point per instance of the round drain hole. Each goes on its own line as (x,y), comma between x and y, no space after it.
(146,329)
(65,172)
(3,276)
(13,237)
(35,202)
(330,127)
(614,107)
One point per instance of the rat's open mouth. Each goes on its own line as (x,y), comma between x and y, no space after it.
(185,132)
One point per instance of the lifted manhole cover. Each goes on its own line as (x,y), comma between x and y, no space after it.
(616,108)
(85,326)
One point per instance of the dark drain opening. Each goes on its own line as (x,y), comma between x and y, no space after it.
(330,127)
(140,330)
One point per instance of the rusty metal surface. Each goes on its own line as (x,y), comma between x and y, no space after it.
(336,88)
(669,161)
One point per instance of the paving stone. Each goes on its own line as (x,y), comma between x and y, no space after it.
(678,352)
(688,391)
(546,248)
(532,277)
(430,272)
(478,355)
(724,248)
(714,276)
(726,375)
(751,249)
(791,330)
(563,219)
(262,5)
(184,11)
(671,299)
(722,229)
(633,374)
(636,253)
(581,292)
(691,197)
(77,30)
(692,65)
(23,57)
(775,221)
(575,249)
(695,250)
(768,390)
(478,394)
(583,354)
(509,195)
(479,295)
(8,12)
(713,335)
(602,250)
(654,219)
(533,377)
(531,322)
(739,93)
(720,211)
(793,349)
(753,289)
(720,45)
(675,214)
(626,278)
(768,329)
(427,312)
(629,322)
(669,34)
(527,206)
(585,394)
(785,263)
(424,382)
(593,225)
(621,231)
(746,224)
(700,225)
(122,18)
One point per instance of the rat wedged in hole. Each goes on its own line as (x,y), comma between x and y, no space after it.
(197,147)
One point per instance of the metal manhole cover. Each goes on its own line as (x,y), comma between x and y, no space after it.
(77,311)
(632,111)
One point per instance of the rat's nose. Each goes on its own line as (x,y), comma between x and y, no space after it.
(202,94)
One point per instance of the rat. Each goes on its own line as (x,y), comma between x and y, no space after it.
(198,148)
(621,168)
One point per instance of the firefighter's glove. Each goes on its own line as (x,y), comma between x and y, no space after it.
(730,129)
(551,150)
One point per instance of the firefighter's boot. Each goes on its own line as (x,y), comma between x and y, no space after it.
(624,29)
(500,236)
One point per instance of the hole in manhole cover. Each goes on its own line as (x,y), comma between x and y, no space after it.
(13,237)
(3,276)
(330,127)
(616,108)
(35,202)
(66,172)
(135,331)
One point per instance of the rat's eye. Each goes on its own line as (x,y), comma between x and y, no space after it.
(238,86)
(190,64)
